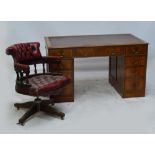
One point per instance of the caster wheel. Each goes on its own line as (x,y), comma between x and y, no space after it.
(52,104)
(63,117)
(19,123)
(16,106)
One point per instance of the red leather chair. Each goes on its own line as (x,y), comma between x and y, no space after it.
(36,84)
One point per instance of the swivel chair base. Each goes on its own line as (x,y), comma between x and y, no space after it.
(36,106)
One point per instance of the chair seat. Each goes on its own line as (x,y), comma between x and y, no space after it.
(42,84)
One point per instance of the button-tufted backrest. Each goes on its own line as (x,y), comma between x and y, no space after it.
(24,51)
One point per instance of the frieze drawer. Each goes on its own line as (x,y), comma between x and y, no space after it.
(135,61)
(66,53)
(133,72)
(66,64)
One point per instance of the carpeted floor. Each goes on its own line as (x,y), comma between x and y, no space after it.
(98,108)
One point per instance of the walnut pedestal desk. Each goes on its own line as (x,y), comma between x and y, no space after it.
(127,60)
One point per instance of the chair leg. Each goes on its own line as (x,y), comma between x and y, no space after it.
(38,105)
(29,113)
(48,102)
(52,102)
(50,110)
(24,105)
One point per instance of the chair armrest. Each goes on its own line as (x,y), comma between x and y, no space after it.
(21,68)
(52,59)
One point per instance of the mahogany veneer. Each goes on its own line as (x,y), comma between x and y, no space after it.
(127,60)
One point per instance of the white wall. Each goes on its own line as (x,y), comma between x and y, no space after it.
(14,32)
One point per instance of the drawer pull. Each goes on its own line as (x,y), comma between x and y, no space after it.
(62,53)
(113,53)
(136,53)
(136,63)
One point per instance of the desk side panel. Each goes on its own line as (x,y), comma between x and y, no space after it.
(116,73)
(67,69)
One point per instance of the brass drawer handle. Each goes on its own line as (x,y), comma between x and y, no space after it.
(62,53)
(136,63)
(113,53)
(136,52)
(85,54)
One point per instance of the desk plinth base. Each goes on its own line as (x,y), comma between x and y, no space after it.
(60,99)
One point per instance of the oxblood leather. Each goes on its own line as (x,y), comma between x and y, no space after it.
(52,59)
(43,84)
(24,51)
(26,54)
(36,84)
(22,67)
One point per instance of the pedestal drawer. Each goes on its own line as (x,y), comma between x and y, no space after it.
(67,93)
(134,94)
(135,61)
(68,90)
(133,72)
(134,84)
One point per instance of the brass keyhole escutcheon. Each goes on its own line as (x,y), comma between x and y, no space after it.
(62,53)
